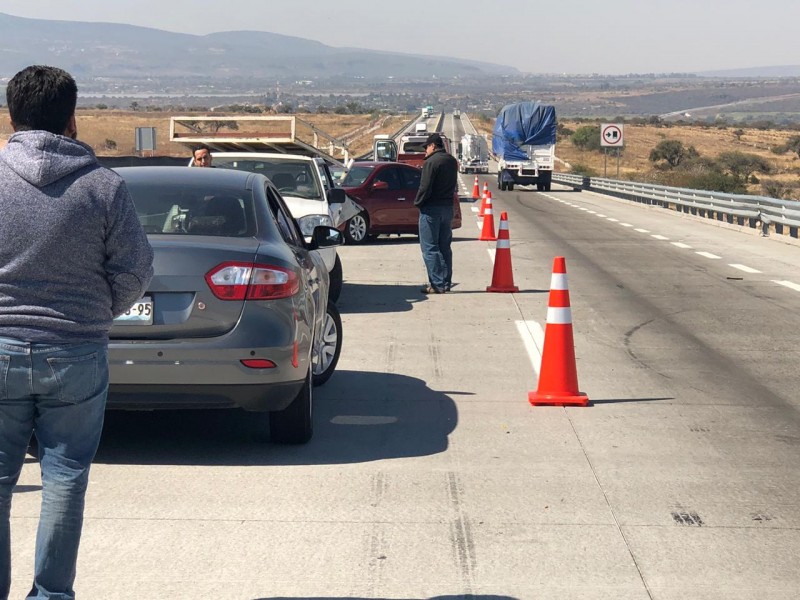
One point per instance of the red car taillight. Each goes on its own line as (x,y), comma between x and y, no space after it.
(249,281)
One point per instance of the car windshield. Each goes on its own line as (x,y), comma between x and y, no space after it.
(292,178)
(356,176)
(193,210)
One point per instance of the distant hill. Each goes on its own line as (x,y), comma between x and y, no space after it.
(95,50)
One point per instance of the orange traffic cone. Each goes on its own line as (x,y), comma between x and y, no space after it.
(475,189)
(558,376)
(487,195)
(503,276)
(487,231)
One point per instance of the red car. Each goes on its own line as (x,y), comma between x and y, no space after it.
(386,190)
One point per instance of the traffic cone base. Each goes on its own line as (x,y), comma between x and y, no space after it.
(503,275)
(537,399)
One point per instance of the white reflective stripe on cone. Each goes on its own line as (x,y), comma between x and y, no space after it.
(559,316)
(558,281)
(504,244)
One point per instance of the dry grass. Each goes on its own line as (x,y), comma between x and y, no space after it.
(97,126)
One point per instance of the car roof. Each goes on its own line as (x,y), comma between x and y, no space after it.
(189,175)
(257,155)
(378,163)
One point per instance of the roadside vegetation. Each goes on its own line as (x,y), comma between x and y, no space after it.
(761,158)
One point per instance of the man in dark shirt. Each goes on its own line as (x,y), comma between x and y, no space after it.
(435,202)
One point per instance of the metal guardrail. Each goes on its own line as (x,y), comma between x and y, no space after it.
(439,123)
(752,211)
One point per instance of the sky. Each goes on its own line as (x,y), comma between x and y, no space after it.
(552,36)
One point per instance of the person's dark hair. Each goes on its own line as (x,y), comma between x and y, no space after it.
(200,147)
(41,97)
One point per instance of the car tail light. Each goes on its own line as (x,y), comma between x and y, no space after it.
(258,363)
(249,281)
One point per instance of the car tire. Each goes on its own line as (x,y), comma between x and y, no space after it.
(357,229)
(294,424)
(324,359)
(336,280)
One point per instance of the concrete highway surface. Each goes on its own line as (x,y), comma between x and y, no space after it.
(431,476)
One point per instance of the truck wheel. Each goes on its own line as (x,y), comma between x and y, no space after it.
(357,229)
(510,186)
(547,187)
(336,278)
(294,424)
(328,346)
(539,187)
(500,185)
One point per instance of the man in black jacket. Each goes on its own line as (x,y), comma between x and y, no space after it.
(435,202)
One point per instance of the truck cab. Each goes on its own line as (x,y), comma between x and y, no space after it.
(409,149)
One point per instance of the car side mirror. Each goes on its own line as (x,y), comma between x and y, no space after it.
(325,237)
(380,185)
(336,196)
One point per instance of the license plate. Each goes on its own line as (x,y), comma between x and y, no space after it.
(141,313)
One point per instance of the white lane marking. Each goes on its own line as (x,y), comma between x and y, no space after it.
(601,216)
(479,224)
(626,224)
(592,212)
(788,284)
(532,336)
(708,255)
(681,245)
(491,252)
(744,268)
(475,209)
(584,209)
(612,219)
(642,230)
(659,237)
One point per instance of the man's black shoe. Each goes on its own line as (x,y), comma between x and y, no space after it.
(429,289)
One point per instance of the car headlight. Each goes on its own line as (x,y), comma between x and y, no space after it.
(309,222)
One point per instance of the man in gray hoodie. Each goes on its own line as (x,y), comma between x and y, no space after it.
(72,257)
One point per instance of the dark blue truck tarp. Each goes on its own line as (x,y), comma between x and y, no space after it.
(523,124)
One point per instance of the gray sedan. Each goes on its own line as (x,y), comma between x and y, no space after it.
(237,314)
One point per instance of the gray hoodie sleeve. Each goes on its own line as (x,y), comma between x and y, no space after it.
(129,257)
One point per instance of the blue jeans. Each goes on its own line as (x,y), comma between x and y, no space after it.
(435,236)
(58,392)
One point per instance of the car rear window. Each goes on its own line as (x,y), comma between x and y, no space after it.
(292,178)
(187,210)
